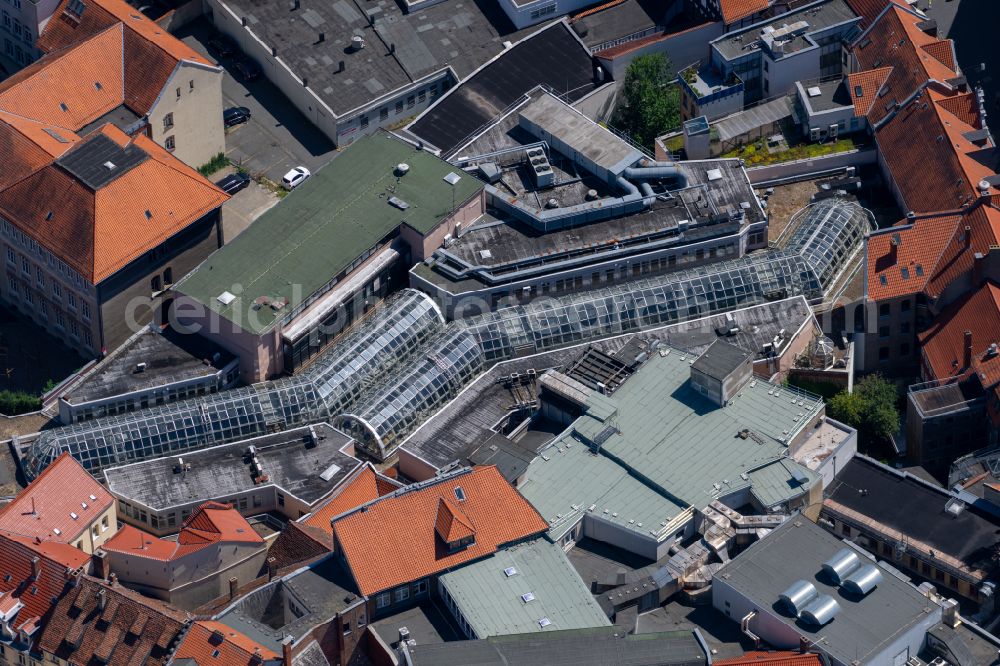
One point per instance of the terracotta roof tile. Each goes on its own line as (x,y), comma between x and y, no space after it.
(759,658)
(148,69)
(22,156)
(957,258)
(46,507)
(901,260)
(77,629)
(210,524)
(99,232)
(868,10)
(211,643)
(894,40)
(943,344)
(63,30)
(734,10)
(16,584)
(452,524)
(73,89)
(299,543)
(366,486)
(934,166)
(403,527)
(943,51)
(870,82)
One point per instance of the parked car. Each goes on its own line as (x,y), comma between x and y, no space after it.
(234,182)
(295,177)
(247,70)
(223,46)
(235,115)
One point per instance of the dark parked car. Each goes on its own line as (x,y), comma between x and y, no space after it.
(223,46)
(247,70)
(235,115)
(234,182)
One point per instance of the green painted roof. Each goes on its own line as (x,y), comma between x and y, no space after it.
(323,226)
(682,442)
(566,480)
(491,602)
(665,447)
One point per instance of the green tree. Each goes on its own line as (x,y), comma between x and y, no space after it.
(871,408)
(650,104)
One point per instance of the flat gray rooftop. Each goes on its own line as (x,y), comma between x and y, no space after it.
(458,33)
(603,646)
(591,140)
(706,204)
(169,357)
(863,628)
(467,421)
(320,591)
(291,463)
(721,359)
(819,15)
(827,95)
(619,20)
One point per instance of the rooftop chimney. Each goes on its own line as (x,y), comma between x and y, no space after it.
(102,598)
(984,188)
(967,358)
(272,567)
(234,584)
(286,650)
(36,568)
(977,269)
(113,579)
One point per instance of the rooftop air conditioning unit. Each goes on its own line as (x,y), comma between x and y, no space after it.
(833,131)
(815,133)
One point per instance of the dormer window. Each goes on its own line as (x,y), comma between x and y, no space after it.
(453,527)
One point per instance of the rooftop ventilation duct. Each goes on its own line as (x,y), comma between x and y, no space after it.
(863,580)
(841,565)
(799,596)
(820,611)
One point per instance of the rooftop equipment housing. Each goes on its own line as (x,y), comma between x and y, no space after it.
(863,580)
(799,596)
(841,565)
(820,611)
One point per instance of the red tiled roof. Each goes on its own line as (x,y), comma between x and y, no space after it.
(56,563)
(99,232)
(871,82)
(211,643)
(734,10)
(72,89)
(932,163)
(130,630)
(299,543)
(451,524)
(772,659)
(868,10)
(393,540)
(943,344)
(900,260)
(983,222)
(212,523)
(366,486)
(943,51)
(45,508)
(63,30)
(894,40)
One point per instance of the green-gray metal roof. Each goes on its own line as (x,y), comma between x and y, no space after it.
(567,479)
(776,482)
(683,443)
(324,225)
(491,601)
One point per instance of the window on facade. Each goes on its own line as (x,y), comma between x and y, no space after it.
(71,300)
(382,600)
(364,122)
(25,266)
(169,143)
(168,121)
(399,106)
(883,331)
(422,96)
(347,627)
(87,340)
(178,93)
(883,310)
(883,354)
(191,84)
(410,101)
(904,306)
(154,283)
(85,310)
(402,594)
(281,500)
(383,113)
(904,327)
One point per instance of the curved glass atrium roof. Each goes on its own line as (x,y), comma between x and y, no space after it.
(401,362)
(390,411)
(388,336)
